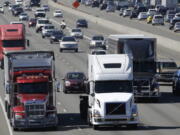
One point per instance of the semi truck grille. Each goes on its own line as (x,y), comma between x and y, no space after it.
(115,108)
(35,109)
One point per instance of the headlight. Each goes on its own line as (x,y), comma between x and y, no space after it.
(67,83)
(18,116)
(96,113)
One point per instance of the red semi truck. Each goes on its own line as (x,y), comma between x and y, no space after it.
(30,89)
(12,37)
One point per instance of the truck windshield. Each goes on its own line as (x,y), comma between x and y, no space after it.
(113,86)
(13,43)
(33,88)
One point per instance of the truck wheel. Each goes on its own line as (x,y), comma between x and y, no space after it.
(51,42)
(8,111)
(95,127)
(2,64)
(43,36)
(61,50)
(132,126)
(76,50)
(175,92)
(6,106)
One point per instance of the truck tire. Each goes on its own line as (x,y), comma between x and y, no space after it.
(95,127)
(83,107)
(8,111)
(60,50)
(132,126)
(2,64)
(76,50)
(6,106)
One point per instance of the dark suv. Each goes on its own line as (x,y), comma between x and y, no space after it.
(74,82)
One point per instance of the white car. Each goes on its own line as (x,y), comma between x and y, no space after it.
(23,17)
(158,19)
(142,16)
(19,2)
(10,7)
(177,27)
(46,7)
(97,41)
(68,43)
(47,30)
(58,13)
(40,23)
(126,12)
(151,12)
(177,15)
(1,9)
(77,33)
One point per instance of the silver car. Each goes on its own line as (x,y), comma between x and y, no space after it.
(177,27)
(158,19)
(23,17)
(142,16)
(127,12)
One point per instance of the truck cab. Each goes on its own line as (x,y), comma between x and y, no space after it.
(110,99)
(30,99)
(12,37)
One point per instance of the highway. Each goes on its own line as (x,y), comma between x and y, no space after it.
(155,118)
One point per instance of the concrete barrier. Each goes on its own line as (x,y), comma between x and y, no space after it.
(162,41)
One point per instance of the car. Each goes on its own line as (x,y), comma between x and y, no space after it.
(177,15)
(142,16)
(57,13)
(23,17)
(126,12)
(88,2)
(46,7)
(103,6)
(121,11)
(40,23)
(134,14)
(151,12)
(95,4)
(27,8)
(77,33)
(81,23)
(149,19)
(169,17)
(1,9)
(40,15)
(110,8)
(32,22)
(166,69)
(74,82)
(177,27)
(173,22)
(158,19)
(47,30)
(56,36)
(176,83)
(68,43)
(17,11)
(6,3)
(97,41)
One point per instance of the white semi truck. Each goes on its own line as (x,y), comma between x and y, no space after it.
(110,99)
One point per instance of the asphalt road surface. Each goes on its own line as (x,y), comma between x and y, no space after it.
(155,118)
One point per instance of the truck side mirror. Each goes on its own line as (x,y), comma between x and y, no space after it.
(28,43)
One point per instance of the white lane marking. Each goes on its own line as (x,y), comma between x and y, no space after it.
(68,28)
(7,120)
(64,110)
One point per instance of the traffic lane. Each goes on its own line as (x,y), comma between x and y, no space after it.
(160,30)
(97,29)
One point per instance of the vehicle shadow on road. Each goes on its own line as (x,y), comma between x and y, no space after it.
(139,128)
(166,97)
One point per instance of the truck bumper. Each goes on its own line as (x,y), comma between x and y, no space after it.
(35,123)
(115,121)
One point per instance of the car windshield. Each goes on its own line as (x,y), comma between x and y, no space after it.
(48,27)
(58,11)
(82,21)
(76,30)
(43,21)
(113,86)
(13,43)
(57,33)
(33,88)
(98,38)
(23,14)
(74,76)
(69,39)
(158,17)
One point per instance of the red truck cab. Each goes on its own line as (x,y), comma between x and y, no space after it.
(12,38)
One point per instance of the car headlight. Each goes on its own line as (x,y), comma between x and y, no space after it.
(67,83)
(96,113)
